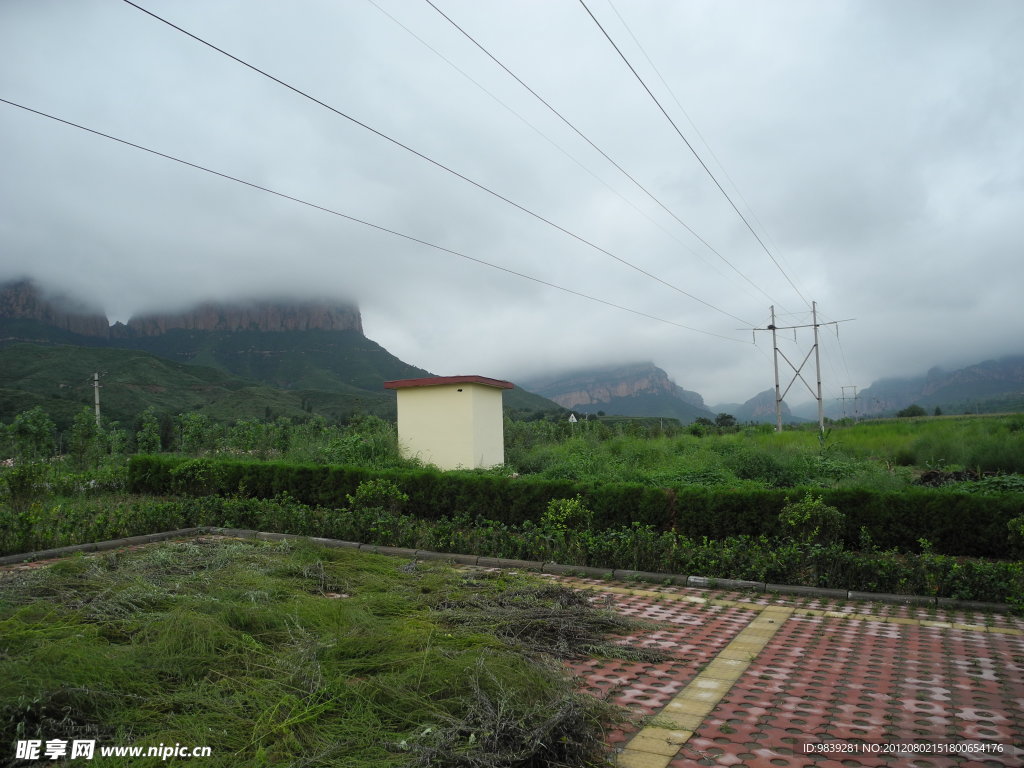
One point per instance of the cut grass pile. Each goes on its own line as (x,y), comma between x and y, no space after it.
(289,654)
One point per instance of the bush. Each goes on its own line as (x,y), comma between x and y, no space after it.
(1016,528)
(197,477)
(812,521)
(377,495)
(956,523)
(636,546)
(24,483)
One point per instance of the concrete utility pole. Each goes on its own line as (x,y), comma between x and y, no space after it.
(855,399)
(775,358)
(96,396)
(817,368)
(798,369)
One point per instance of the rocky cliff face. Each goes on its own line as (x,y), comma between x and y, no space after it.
(265,316)
(957,389)
(23,300)
(601,386)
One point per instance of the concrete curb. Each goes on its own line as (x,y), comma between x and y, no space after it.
(561,569)
(100,546)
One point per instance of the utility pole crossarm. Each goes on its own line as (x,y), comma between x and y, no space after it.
(780,394)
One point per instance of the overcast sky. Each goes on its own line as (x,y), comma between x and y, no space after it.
(875,147)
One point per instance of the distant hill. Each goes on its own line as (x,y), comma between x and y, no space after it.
(59,378)
(256,358)
(638,389)
(760,409)
(988,387)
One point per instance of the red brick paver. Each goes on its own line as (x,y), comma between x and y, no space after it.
(853,676)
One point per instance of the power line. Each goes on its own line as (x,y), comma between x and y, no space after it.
(707,146)
(544,136)
(433,162)
(690,147)
(842,354)
(378,227)
(600,151)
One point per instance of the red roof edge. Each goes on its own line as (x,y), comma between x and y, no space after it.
(434,381)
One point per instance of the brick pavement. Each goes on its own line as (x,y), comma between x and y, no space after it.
(752,679)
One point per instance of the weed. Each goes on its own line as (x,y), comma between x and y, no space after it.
(231,645)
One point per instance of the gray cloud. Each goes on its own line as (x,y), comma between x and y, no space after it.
(877,145)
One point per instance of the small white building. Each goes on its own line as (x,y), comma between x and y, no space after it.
(452,422)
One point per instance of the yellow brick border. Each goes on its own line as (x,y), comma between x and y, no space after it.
(655,746)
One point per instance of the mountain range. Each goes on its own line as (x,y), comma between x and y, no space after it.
(644,389)
(986,387)
(294,358)
(251,358)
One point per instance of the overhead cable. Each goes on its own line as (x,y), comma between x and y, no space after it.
(690,147)
(378,227)
(696,130)
(433,162)
(544,136)
(600,151)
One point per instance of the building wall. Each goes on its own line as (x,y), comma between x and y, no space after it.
(452,426)
(488,426)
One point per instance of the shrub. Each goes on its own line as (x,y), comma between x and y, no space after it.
(24,483)
(895,520)
(565,515)
(377,495)
(812,521)
(197,477)
(1016,527)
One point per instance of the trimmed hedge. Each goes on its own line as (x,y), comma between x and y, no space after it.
(954,523)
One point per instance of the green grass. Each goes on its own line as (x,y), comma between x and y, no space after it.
(879,454)
(289,654)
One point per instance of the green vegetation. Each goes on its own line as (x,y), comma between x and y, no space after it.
(912,411)
(845,509)
(291,654)
(564,533)
(331,374)
(877,454)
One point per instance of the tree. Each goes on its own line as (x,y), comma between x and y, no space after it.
(87,443)
(912,411)
(197,433)
(147,439)
(725,420)
(938,411)
(32,433)
(116,438)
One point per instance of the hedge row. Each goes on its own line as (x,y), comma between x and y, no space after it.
(954,523)
(77,521)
